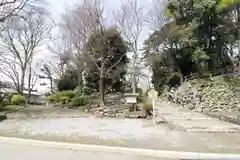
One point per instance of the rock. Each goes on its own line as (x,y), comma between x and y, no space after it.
(160,119)
(122,101)
(215,95)
(99,114)
(108,110)
(100,109)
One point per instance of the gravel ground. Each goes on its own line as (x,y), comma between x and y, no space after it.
(120,132)
(89,126)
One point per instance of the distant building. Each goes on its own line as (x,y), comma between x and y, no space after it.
(36,97)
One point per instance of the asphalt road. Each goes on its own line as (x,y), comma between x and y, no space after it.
(10,151)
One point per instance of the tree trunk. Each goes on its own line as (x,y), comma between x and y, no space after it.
(134,83)
(101,87)
(29,87)
(80,78)
(51,85)
(101,83)
(134,87)
(22,81)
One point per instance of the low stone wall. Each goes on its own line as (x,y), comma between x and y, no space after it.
(121,111)
(213,95)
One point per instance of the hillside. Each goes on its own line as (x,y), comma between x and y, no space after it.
(218,94)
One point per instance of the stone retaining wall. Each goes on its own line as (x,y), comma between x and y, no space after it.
(212,95)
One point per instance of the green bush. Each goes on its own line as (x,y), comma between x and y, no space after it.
(78,91)
(87,90)
(66,82)
(69,93)
(64,100)
(53,98)
(3,101)
(63,97)
(80,101)
(175,80)
(18,100)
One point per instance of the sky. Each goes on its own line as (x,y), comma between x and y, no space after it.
(57,7)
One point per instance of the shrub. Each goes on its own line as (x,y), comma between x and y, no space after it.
(3,101)
(53,98)
(63,97)
(69,93)
(66,82)
(87,90)
(175,80)
(64,100)
(78,91)
(80,101)
(18,100)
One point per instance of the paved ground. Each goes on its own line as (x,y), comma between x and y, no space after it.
(25,152)
(189,121)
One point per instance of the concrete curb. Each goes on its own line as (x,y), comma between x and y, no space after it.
(120,150)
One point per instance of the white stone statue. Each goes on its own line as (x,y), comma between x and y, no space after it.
(153,95)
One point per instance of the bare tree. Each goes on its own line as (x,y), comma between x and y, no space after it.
(52,71)
(20,42)
(76,36)
(49,75)
(61,51)
(130,20)
(15,8)
(156,18)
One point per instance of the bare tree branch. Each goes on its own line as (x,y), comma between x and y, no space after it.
(130,20)
(156,18)
(20,40)
(18,8)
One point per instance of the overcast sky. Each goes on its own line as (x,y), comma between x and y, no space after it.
(57,7)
